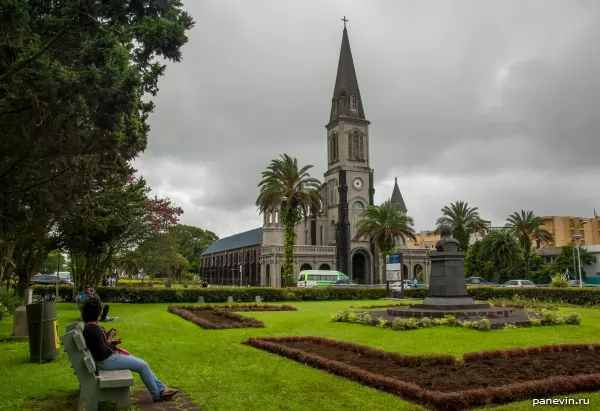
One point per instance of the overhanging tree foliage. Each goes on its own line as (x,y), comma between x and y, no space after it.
(72,79)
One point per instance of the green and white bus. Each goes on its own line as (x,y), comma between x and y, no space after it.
(319,278)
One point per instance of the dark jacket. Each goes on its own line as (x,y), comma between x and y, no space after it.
(95,339)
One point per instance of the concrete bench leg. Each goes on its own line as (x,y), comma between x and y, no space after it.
(87,403)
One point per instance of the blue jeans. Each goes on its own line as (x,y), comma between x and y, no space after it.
(119,361)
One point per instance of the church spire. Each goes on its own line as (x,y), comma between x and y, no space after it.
(346,100)
(397,197)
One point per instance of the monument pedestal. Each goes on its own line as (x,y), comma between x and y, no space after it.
(447,285)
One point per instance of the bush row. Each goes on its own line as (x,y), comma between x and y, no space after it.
(214,295)
(237,307)
(547,317)
(576,296)
(571,295)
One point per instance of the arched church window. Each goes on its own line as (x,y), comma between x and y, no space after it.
(356,149)
(332,233)
(353,105)
(333,148)
(333,193)
(358,208)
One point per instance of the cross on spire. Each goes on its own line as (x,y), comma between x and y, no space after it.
(344,20)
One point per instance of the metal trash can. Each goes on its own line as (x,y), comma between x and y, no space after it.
(43,331)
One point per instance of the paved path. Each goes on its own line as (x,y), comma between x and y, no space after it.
(143,400)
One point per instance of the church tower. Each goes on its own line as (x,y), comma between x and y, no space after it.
(349,177)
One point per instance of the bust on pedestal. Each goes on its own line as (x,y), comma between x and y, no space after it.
(447,285)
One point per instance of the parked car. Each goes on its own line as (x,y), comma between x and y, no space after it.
(395,286)
(518,283)
(480,281)
(344,283)
(47,279)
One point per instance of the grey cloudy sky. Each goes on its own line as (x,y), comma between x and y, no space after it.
(496,103)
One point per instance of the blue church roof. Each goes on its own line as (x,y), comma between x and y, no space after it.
(245,239)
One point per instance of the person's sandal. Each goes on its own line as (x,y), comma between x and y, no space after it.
(168,393)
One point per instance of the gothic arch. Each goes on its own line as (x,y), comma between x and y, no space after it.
(418,271)
(333,193)
(333,147)
(332,232)
(358,208)
(356,147)
(305,266)
(361,264)
(353,103)
(268,275)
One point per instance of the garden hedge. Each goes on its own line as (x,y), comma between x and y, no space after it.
(571,295)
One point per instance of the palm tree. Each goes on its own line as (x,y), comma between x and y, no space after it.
(464,221)
(287,187)
(526,227)
(501,248)
(383,225)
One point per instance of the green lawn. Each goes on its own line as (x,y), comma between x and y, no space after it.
(219,373)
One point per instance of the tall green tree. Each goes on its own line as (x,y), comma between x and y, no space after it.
(191,243)
(111,221)
(55,260)
(464,221)
(564,261)
(502,249)
(384,225)
(476,265)
(289,188)
(526,226)
(76,81)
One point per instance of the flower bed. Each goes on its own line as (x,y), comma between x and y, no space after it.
(444,383)
(223,317)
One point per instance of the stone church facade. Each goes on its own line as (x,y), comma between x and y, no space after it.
(327,241)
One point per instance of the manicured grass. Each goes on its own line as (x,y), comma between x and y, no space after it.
(219,373)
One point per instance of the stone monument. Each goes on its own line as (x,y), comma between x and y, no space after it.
(447,285)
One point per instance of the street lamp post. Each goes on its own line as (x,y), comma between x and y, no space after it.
(577,237)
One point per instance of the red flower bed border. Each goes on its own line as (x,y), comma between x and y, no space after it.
(438,400)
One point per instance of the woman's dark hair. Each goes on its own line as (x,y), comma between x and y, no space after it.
(91,310)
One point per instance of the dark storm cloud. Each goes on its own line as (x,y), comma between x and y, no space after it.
(465,99)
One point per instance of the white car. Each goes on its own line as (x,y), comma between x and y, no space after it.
(395,286)
(518,283)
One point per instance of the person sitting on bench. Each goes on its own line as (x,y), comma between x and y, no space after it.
(104,350)
(91,293)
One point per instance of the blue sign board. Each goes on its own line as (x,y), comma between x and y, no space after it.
(395,258)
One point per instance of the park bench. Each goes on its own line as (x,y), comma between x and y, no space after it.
(94,385)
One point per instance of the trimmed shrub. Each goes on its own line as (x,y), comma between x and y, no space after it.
(560,280)
(570,295)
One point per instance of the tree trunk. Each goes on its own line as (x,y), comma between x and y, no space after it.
(496,276)
(23,286)
(288,262)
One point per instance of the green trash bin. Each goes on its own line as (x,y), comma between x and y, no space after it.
(43,331)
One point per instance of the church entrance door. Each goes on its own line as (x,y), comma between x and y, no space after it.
(359,267)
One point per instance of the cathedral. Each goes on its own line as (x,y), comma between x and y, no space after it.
(327,241)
